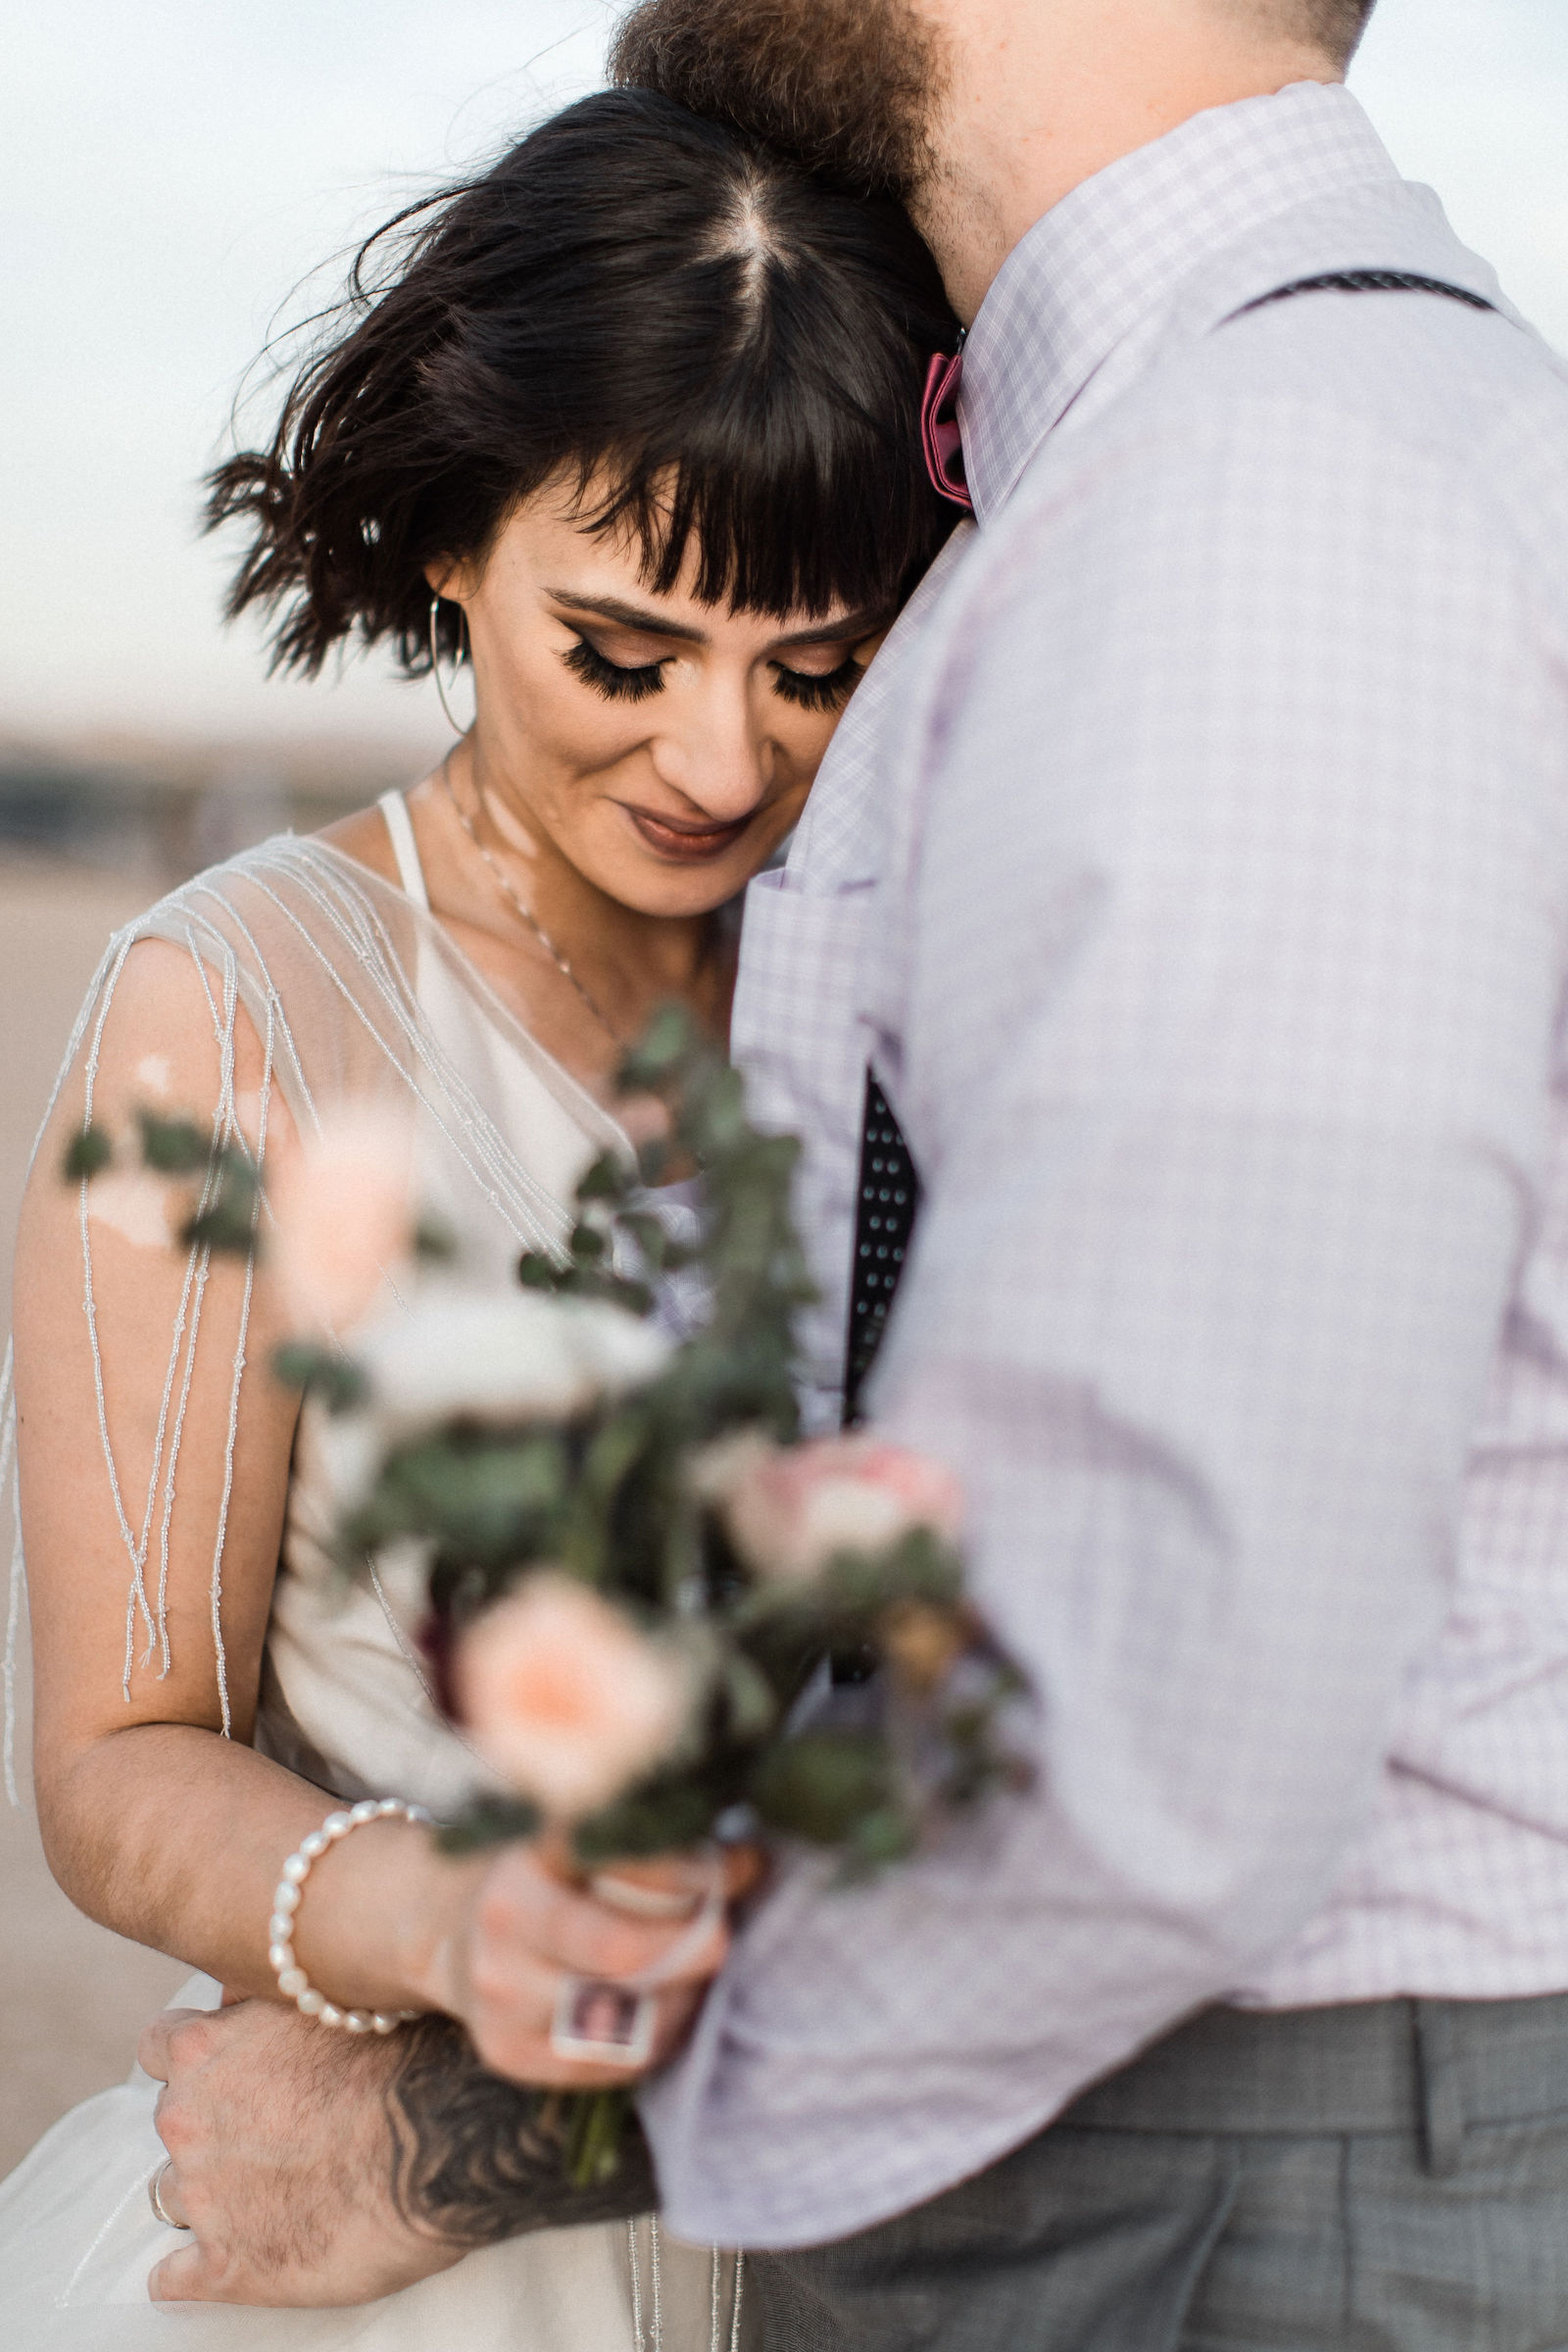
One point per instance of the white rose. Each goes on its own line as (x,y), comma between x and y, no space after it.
(519,1356)
(619,1350)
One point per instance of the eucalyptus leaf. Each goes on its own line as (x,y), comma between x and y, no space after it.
(665,1817)
(490,1821)
(174,1147)
(536,1272)
(605,1180)
(821,1784)
(324,1371)
(227,1224)
(87,1154)
(750,1700)
(492,1500)
(435,1242)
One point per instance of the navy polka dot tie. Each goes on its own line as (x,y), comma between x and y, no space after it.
(890,1198)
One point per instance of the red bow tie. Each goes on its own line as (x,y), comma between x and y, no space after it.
(939,428)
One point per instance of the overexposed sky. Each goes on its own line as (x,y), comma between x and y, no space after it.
(170,174)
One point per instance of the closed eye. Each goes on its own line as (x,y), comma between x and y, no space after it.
(817,690)
(613,679)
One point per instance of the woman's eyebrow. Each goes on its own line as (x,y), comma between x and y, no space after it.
(628,616)
(843,631)
(655,624)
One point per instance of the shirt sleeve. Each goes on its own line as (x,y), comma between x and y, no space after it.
(1224,976)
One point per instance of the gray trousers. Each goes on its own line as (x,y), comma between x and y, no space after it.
(1390,2177)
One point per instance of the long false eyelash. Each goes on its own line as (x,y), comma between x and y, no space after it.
(613,679)
(620,683)
(826,692)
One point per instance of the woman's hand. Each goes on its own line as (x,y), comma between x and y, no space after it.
(531,1920)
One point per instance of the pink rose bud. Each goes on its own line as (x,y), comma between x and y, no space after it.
(564,1698)
(343,1216)
(791,1508)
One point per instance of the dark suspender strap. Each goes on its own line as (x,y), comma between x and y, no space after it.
(1368,281)
(884,1221)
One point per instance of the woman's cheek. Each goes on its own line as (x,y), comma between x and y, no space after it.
(580,731)
(807,744)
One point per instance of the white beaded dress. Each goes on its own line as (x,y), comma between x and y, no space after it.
(354,991)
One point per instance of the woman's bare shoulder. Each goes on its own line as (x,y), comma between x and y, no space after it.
(363,837)
(158,1039)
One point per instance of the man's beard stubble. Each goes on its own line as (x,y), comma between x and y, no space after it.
(846,87)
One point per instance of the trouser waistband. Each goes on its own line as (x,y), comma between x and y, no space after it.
(1432,2067)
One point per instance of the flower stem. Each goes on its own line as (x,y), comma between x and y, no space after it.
(594,2133)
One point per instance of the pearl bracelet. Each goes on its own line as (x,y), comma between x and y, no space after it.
(292,1982)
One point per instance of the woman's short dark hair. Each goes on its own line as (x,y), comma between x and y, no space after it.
(702,340)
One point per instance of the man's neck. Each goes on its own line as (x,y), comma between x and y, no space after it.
(1037,100)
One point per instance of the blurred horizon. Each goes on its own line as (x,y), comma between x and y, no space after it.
(179,182)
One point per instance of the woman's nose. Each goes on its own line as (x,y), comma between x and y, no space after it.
(716,756)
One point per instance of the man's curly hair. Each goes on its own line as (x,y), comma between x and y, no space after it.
(844,87)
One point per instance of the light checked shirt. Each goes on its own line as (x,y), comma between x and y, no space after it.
(1192,864)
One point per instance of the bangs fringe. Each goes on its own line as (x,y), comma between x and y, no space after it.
(773,531)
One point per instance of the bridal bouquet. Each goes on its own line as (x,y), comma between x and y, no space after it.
(662,1619)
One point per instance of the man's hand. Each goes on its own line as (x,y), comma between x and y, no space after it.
(319,2168)
(283,2161)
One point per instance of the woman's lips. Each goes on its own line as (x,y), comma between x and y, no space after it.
(682,843)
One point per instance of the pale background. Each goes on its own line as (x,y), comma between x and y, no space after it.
(169,175)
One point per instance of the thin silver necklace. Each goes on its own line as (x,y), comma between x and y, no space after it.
(524,913)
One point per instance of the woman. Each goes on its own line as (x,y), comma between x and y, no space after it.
(633,429)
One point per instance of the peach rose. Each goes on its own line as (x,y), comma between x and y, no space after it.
(564,1698)
(342,1207)
(791,1508)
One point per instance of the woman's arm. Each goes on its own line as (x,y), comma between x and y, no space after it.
(145,1628)
(152,1820)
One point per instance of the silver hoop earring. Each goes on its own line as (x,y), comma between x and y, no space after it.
(453,721)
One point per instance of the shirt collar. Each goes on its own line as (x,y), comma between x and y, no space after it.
(1117,249)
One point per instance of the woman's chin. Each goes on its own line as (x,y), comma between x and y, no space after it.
(676,888)
(683,895)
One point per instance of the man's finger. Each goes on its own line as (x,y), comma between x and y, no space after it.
(151,2050)
(185,2277)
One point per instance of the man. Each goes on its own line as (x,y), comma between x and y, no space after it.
(1191,871)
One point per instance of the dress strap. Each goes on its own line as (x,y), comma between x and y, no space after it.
(405,849)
